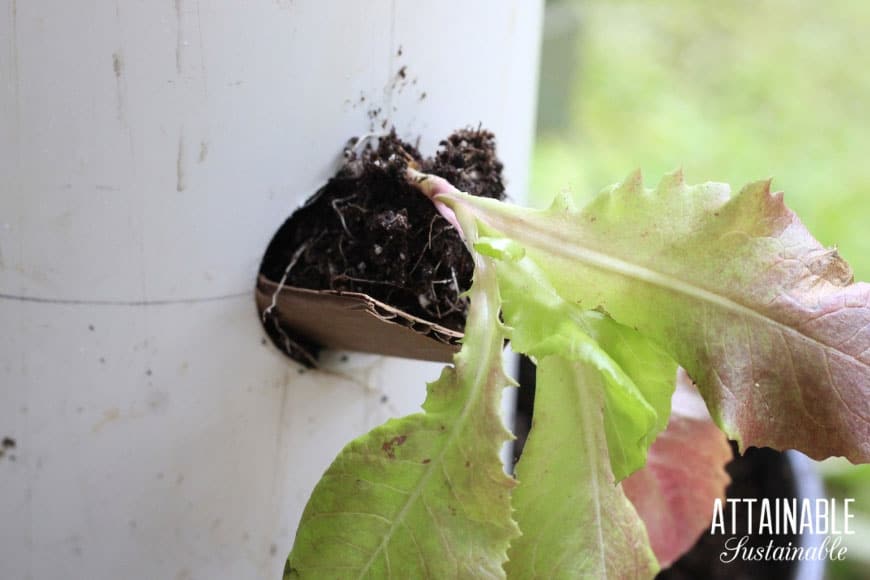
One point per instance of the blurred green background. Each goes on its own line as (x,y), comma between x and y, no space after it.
(730,91)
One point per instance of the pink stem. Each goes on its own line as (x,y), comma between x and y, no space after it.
(432,187)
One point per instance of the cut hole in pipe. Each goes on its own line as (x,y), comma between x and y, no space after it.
(367,263)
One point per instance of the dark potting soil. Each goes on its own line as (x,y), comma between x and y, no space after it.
(367,230)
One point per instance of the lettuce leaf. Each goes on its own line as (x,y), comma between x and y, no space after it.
(638,376)
(765,320)
(685,473)
(607,300)
(424,496)
(576,522)
(603,394)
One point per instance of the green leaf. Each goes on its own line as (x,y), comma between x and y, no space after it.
(424,496)
(639,377)
(576,522)
(764,319)
(603,394)
(499,248)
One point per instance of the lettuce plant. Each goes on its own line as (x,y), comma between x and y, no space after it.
(618,304)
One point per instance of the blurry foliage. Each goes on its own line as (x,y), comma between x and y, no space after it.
(729,91)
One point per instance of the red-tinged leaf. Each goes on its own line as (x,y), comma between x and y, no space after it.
(685,472)
(765,319)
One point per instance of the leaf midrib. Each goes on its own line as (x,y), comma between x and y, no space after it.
(618,265)
(585,395)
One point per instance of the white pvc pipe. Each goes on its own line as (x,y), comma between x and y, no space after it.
(148,152)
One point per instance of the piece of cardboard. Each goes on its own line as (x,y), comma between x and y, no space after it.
(351,321)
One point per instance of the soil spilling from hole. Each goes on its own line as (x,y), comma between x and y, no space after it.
(369,231)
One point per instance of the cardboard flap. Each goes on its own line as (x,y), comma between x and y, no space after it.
(350,321)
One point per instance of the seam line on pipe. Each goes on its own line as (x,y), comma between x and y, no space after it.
(166,302)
